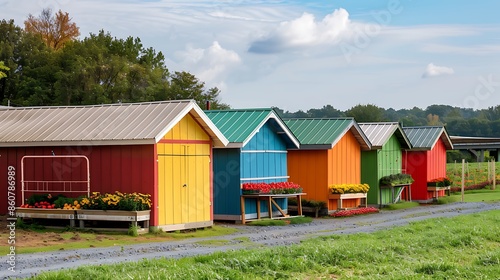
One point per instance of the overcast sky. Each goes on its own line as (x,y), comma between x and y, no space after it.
(306,54)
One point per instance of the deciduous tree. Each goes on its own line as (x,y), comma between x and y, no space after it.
(2,69)
(55,30)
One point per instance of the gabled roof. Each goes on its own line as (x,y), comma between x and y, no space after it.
(240,125)
(425,137)
(380,132)
(111,124)
(325,133)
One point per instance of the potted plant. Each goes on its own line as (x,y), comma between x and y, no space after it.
(399,179)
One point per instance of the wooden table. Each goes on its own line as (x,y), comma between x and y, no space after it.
(404,187)
(269,198)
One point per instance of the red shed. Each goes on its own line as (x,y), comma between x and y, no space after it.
(426,161)
(160,148)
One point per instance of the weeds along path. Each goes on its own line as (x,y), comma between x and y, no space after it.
(248,237)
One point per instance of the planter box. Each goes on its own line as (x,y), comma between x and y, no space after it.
(347,196)
(39,213)
(114,215)
(435,191)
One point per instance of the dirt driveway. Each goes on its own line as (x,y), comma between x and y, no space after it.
(247,237)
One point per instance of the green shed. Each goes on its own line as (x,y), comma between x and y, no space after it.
(385,158)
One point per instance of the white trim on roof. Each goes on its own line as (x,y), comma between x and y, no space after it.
(283,126)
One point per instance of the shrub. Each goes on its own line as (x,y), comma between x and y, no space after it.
(396,179)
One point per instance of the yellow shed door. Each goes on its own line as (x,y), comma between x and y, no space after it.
(183,183)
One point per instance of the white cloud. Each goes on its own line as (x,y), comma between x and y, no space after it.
(210,65)
(304,32)
(434,71)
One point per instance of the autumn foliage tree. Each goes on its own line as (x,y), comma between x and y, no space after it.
(55,30)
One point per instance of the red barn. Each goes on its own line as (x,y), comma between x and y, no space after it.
(426,161)
(158,148)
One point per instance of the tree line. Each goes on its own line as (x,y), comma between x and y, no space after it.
(458,121)
(45,63)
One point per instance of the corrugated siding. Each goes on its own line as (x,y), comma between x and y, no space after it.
(345,161)
(369,174)
(112,168)
(264,156)
(187,129)
(344,166)
(436,166)
(415,163)
(425,166)
(309,169)
(390,162)
(184,175)
(227,181)
(265,139)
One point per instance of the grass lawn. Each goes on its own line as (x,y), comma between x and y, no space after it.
(484,195)
(464,247)
(45,240)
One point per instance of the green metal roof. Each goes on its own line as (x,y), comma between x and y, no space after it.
(325,133)
(240,125)
(380,132)
(425,137)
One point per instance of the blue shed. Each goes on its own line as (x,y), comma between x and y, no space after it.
(257,152)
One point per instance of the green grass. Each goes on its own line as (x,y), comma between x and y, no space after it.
(76,239)
(464,247)
(401,205)
(484,195)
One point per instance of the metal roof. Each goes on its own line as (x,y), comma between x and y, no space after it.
(111,124)
(425,137)
(319,133)
(380,132)
(240,125)
(466,142)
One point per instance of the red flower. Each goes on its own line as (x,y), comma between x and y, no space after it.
(352,212)
(274,187)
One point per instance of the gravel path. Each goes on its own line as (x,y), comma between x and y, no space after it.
(31,264)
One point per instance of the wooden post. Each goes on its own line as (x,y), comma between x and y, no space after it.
(494,174)
(463,178)
(489,170)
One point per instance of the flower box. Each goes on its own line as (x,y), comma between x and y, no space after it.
(114,215)
(39,213)
(347,196)
(271,188)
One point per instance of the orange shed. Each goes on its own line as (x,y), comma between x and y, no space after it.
(330,153)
